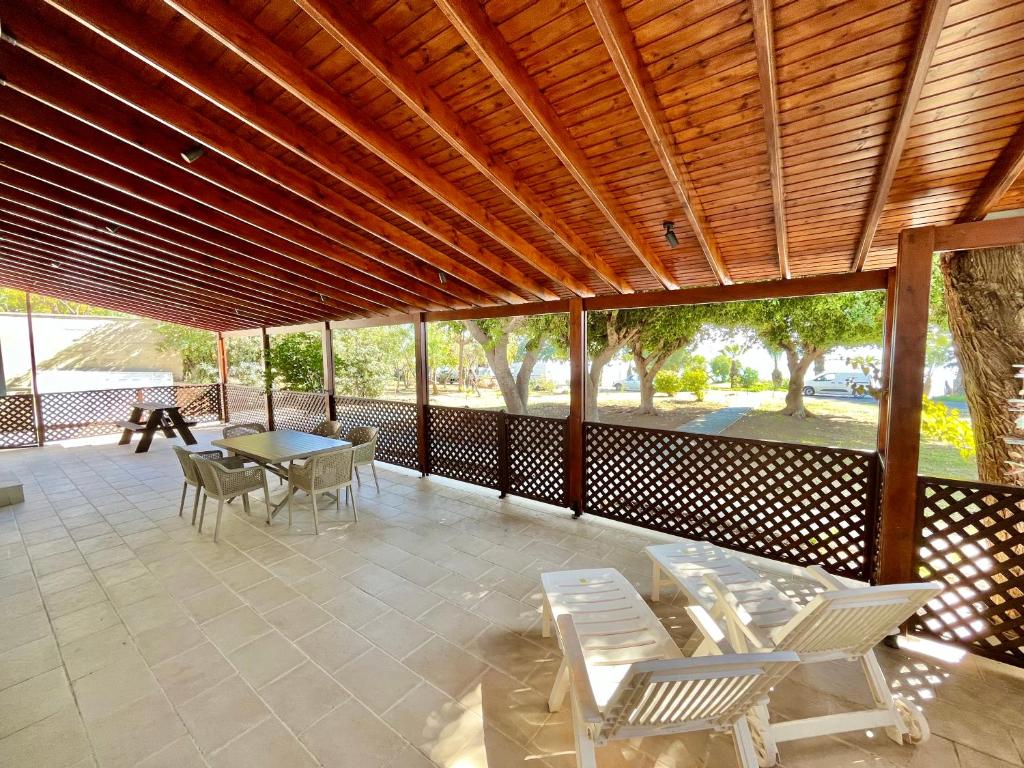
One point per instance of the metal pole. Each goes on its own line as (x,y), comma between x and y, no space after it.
(37,400)
(327,346)
(577,391)
(222,375)
(422,399)
(268,379)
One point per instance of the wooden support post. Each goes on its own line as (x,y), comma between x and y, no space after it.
(37,400)
(886,373)
(222,375)
(906,389)
(327,346)
(577,383)
(422,401)
(268,378)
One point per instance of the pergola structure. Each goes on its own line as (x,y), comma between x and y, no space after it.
(233,165)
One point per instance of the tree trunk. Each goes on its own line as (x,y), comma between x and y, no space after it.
(797,372)
(647,368)
(985,300)
(819,365)
(523,377)
(496,353)
(462,362)
(597,364)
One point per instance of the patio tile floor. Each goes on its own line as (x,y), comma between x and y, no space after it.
(411,638)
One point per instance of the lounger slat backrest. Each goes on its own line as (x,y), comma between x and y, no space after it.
(704,692)
(851,621)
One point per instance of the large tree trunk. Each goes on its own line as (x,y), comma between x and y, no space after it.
(496,353)
(523,378)
(647,368)
(597,364)
(985,299)
(798,366)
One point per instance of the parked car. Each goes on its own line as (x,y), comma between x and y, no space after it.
(628,384)
(854,383)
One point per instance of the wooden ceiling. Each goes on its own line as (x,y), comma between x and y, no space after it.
(371,158)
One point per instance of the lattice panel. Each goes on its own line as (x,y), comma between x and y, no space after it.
(69,415)
(298,410)
(537,458)
(464,445)
(796,503)
(970,536)
(200,402)
(17,421)
(246,405)
(396,443)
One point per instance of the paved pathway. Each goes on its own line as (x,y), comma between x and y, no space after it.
(716,422)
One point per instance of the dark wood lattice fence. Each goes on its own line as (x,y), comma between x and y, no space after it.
(246,405)
(396,443)
(800,504)
(18,421)
(970,536)
(464,445)
(298,410)
(537,458)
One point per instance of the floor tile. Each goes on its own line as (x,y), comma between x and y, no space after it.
(33,700)
(351,735)
(125,737)
(333,645)
(395,634)
(59,741)
(192,672)
(376,679)
(265,659)
(446,666)
(235,628)
(221,713)
(28,660)
(303,696)
(297,618)
(268,744)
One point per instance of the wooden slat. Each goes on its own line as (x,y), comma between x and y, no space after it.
(493,50)
(932,19)
(997,182)
(618,39)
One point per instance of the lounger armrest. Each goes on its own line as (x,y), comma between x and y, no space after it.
(737,621)
(825,578)
(572,649)
(710,630)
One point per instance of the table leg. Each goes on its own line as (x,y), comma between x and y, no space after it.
(126,436)
(182,427)
(147,434)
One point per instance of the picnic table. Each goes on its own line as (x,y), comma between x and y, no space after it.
(165,417)
(272,450)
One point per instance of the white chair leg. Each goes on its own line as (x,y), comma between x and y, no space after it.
(266,498)
(545,627)
(202,512)
(316,523)
(881,695)
(376,482)
(586,756)
(359,480)
(181,506)
(195,504)
(746,753)
(560,687)
(655,582)
(337,501)
(216,525)
(288,501)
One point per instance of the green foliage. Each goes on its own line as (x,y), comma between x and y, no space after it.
(940,422)
(720,367)
(748,378)
(12,300)
(245,360)
(296,361)
(198,350)
(814,323)
(668,383)
(542,384)
(695,381)
(367,359)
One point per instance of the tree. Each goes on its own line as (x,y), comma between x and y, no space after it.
(441,345)
(12,300)
(198,350)
(245,360)
(668,383)
(662,332)
(733,352)
(695,381)
(806,328)
(721,365)
(608,333)
(296,361)
(776,353)
(984,301)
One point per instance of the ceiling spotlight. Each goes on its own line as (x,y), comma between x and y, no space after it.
(670,233)
(193,153)
(55,264)
(443,277)
(111,228)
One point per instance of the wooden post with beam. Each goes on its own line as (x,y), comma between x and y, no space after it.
(909,299)
(327,346)
(37,400)
(222,376)
(422,434)
(268,378)
(577,383)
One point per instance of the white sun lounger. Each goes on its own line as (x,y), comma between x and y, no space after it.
(840,623)
(626,676)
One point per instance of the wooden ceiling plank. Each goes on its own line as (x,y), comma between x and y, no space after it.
(1005,171)
(55,48)
(249,267)
(618,40)
(932,19)
(491,48)
(130,33)
(369,47)
(764,43)
(244,39)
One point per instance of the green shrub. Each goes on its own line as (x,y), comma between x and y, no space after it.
(748,378)
(542,384)
(940,422)
(668,383)
(695,381)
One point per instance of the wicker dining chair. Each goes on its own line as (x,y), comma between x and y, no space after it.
(191,474)
(239,430)
(364,442)
(223,484)
(331,429)
(322,473)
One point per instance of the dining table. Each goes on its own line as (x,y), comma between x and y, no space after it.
(273,450)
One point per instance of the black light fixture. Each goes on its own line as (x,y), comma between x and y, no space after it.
(670,233)
(111,228)
(443,277)
(193,153)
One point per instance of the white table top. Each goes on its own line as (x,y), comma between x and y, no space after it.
(280,446)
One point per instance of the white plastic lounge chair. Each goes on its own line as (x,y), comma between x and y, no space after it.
(627,679)
(840,623)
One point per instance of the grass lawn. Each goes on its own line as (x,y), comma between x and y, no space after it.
(843,424)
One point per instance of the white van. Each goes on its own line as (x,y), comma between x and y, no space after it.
(854,383)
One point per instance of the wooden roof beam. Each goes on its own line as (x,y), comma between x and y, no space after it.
(53,47)
(471,21)
(764,44)
(129,32)
(618,39)
(1004,172)
(932,19)
(370,48)
(244,39)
